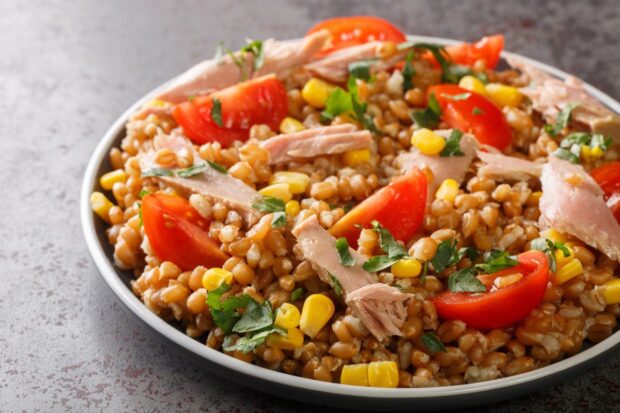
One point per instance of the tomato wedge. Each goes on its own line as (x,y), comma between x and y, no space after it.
(503,307)
(399,207)
(256,101)
(488,49)
(355,30)
(471,112)
(608,178)
(178,233)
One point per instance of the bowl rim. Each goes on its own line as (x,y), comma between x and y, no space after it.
(198,349)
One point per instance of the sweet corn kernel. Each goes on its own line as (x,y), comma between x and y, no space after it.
(568,271)
(383,374)
(281,191)
(554,235)
(315,92)
(297,181)
(591,154)
(292,208)
(611,291)
(101,205)
(353,158)
(427,141)
(504,95)
(214,277)
(355,374)
(472,83)
(561,260)
(292,340)
(408,267)
(109,179)
(316,312)
(287,316)
(448,190)
(156,103)
(291,125)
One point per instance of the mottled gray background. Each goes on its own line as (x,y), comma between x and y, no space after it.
(68,69)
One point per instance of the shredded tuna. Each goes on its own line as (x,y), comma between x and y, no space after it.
(502,167)
(309,143)
(549,95)
(573,203)
(335,67)
(380,307)
(442,168)
(212,184)
(279,58)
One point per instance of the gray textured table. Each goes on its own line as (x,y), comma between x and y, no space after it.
(67,70)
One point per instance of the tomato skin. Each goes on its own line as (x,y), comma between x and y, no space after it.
(502,307)
(488,49)
(399,207)
(177,233)
(356,30)
(489,126)
(256,101)
(608,178)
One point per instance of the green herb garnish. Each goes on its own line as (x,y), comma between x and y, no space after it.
(216,112)
(220,168)
(549,248)
(445,256)
(359,109)
(465,281)
(361,69)
(269,204)
(453,144)
(343,251)
(571,147)
(477,111)
(336,286)
(408,72)
(338,102)
(256,48)
(157,172)
(143,193)
(255,317)
(562,120)
(496,260)
(389,245)
(296,294)
(250,342)
(429,117)
(432,343)
(279,219)
(192,170)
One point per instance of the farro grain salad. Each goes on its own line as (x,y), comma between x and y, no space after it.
(355,208)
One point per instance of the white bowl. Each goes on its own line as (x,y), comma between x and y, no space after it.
(312,391)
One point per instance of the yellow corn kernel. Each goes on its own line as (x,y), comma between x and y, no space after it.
(316,312)
(408,267)
(291,125)
(316,91)
(214,277)
(298,182)
(561,260)
(355,374)
(156,103)
(358,157)
(383,374)
(281,191)
(568,271)
(554,235)
(611,291)
(448,190)
(287,316)
(292,340)
(292,208)
(101,205)
(472,83)
(504,95)
(427,141)
(109,179)
(591,154)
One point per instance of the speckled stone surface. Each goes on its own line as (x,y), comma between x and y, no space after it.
(68,69)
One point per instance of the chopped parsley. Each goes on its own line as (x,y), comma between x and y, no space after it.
(255,47)
(343,251)
(255,317)
(408,72)
(432,343)
(477,111)
(389,245)
(216,112)
(453,144)
(157,172)
(496,260)
(337,103)
(336,286)
(361,69)
(359,108)
(279,219)
(224,313)
(220,168)
(269,204)
(429,117)
(445,256)
(297,293)
(143,193)
(549,248)
(192,170)
(465,281)
(249,342)
(572,146)
(561,121)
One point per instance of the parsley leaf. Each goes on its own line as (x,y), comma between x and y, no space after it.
(248,343)
(465,281)
(454,72)
(429,117)
(269,204)
(361,69)
(359,109)
(343,251)
(571,147)
(379,262)
(408,72)
(424,273)
(432,343)
(566,155)
(562,120)
(445,256)
(256,48)
(496,260)
(477,111)
(279,219)
(220,168)
(156,172)
(469,252)
(224,313)
(192,170)
(453,144)
(338,102)
(216,112)
(549,248)
(296,294)
(255,317)
(387,242)
(336,286)
(143,193)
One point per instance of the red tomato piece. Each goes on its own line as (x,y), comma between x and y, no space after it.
(256,101)
(177,233)
(399,207)
(471,112)
(488,49)
(503,307)
(355,30)
(608,178)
